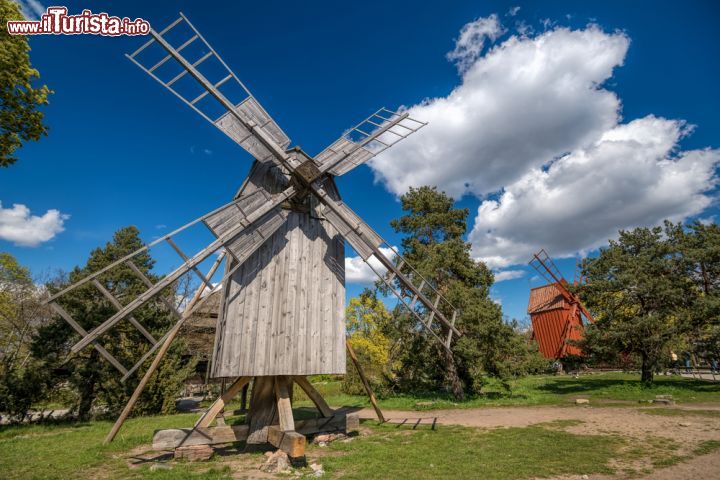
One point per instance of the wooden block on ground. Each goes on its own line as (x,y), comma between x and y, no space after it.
(337,423)
(177,437)
(292,443)
(194,453)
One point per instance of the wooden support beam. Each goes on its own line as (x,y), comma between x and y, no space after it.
(116,303)
(314,395)
(369,391)
(185,437)
(284,405)
(158,358)
(292,443)
(176,437)
(219,404)
(82,332)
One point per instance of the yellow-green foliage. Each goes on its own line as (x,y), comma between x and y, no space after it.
(367,320)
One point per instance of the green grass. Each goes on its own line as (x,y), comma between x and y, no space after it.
(609,389)
(459,452)
(707,446)
(675,412)
(75,451)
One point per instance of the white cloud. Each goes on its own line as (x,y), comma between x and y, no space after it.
(513,11)
(17,225)
(357,271)
(629,177)
(31,9)
(502,275)
(533,132)
(472,40)
(521,104)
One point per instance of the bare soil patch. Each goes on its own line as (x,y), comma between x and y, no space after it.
(663,444)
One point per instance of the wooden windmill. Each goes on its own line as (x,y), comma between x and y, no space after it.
(281,240)
(556,312)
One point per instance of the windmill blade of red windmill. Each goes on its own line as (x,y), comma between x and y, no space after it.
(367,243)
(372,136)
(240,231)
(243,119)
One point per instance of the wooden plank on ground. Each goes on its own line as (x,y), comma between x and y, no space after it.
(175,437)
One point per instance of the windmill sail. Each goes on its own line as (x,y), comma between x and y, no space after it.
(245,121)
(367,243)
(375,134)
(249,231)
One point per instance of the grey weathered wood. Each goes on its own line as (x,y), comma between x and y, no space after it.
(263,409)
(283,310)
(176,274)
(114,301)
(76,326)
(171,438)
(219,404)
(292,443)
(314,395)
(365,383)
(285,413)
(176,437)
(169,337)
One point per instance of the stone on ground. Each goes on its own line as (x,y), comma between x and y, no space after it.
(194,453)
(276,462)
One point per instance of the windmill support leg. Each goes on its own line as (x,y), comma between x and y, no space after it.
(219,404)
(365,383)
(269,419)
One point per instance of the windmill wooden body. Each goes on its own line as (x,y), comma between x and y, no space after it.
(556,312)
(280,243)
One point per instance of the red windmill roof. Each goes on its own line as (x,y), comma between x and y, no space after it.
(544,298)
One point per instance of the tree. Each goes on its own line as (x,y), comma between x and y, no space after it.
(21,314)
(640,297)
(94,379)
(433,243)
(20,118)
(368,323)
(699,245)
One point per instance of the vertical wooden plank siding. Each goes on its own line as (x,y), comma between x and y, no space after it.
(283,310)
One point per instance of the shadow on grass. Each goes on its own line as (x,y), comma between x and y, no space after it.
(589,385)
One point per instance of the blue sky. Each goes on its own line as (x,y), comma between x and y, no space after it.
(555,123)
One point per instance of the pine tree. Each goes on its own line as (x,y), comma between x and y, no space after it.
(640,296)
(433,243)
(94,379)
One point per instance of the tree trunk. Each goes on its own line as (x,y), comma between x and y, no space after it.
(87,387)
(646,370)
(451,375)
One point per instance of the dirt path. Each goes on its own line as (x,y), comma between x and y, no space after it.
(687,429)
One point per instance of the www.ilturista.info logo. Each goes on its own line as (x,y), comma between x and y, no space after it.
(56,21)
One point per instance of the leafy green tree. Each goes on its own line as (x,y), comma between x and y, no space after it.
(95,380)
(433,243)
(20,118)
(640,296)
(368,323)
(699,245)
(21,314)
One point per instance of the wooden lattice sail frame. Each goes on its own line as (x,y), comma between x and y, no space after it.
(303,191)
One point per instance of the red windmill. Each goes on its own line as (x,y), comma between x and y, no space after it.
(556,313)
